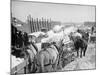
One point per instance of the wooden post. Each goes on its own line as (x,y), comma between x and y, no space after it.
(16,70)
(50,24)
(47,24)
(42,23)
(34,25)
(37,25)
(30,23)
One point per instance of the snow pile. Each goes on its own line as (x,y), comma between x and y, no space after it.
(57,28)
(77,34)
(57,36)
(37,33)
(70,29)
(52,36)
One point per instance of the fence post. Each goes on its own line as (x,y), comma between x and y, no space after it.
(16,70)
(25,68)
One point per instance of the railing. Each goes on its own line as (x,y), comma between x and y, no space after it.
(16,69)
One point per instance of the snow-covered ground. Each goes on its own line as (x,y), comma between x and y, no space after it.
(87,62)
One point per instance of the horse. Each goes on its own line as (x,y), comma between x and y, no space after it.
(85,35)
(79,43)
(13,35)
(29,53)
(47,58)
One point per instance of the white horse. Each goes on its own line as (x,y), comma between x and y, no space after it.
(46,58)
(30,53)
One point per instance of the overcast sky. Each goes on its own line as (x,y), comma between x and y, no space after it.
(57,12)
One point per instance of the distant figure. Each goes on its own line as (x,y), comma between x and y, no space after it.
(92,30)
(79,43)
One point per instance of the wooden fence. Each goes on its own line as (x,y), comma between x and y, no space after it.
(37,24)
(19,67)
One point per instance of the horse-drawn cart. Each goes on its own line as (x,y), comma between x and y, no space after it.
(68,54)
(67,57)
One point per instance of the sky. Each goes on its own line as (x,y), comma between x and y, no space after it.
(57,12)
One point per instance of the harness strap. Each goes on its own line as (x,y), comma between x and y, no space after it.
(45,64)
(50,61)
(35,47)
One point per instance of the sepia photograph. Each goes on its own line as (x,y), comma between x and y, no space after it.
(52,37)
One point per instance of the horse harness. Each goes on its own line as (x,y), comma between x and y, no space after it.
(50,61)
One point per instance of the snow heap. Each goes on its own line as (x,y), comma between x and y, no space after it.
(52,36)
(70,29)
(37,33)
(57,28)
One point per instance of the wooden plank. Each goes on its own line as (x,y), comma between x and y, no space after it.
(19,67)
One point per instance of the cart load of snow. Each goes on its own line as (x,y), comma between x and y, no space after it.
(37,33)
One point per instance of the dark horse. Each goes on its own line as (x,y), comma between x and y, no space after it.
(85,35)
(79,43)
